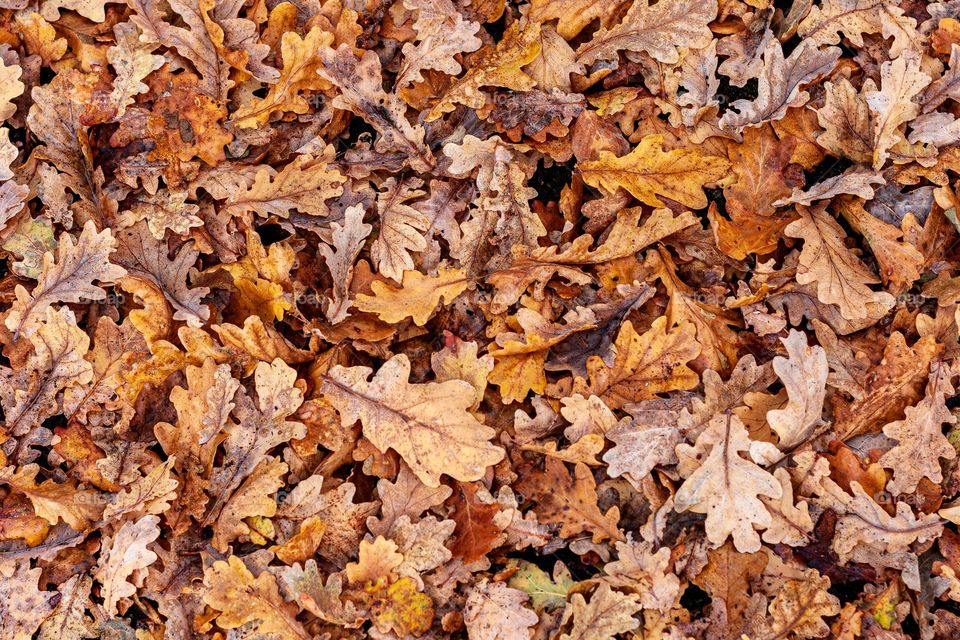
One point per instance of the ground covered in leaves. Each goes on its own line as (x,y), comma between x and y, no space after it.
(568,319)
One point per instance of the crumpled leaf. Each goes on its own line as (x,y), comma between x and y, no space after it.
(919,436)
(240,598)
(499,67)
(607,614)
(23,607)
(804,375)
(656,30)
(780,83)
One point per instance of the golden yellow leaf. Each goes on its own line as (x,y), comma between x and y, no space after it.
(644,365)
(416,298)
(242,599)
(648,172)
(301,60)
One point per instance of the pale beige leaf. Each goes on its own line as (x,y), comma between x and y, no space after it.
(10,89)
(23,606)
(780,83)
(427,424)
(166,209)
(28,396)
(790,523)
(854,181)
(458,360)
(552,67)
(646,572)
(727,487)
(840,277)
(405,496)
(442,33)
(348,239)
(901,80)
(845,118)
(67,278)
(132,61)
(401,228)
(70,620)
(304,185)
(495,611)
(121,567)
(361,92)
(657,30)
(608,614)
(804,376)
(8,154)
(919,436)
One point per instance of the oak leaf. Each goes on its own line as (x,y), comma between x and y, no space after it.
(780,83)
(442,33)
(231,589)
(800,606)
(648,172)
(573,17)
(304,185)
(23,606)
(68,277)
(476,533)
(643,365)
(726,577)
(347,241)
(727,487)
(78,508)
(12,88)
(377,559)
(361,92)
(840,277)
(301,62)
(546,592)
(398,607)
(427,424)
(919,436)
(804,375)
(29,395)
(657,30)
(608,614)
(570,501)
(499,67)
(495,611)
(147,260)
(901,80)
(417,297)
(125,558)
